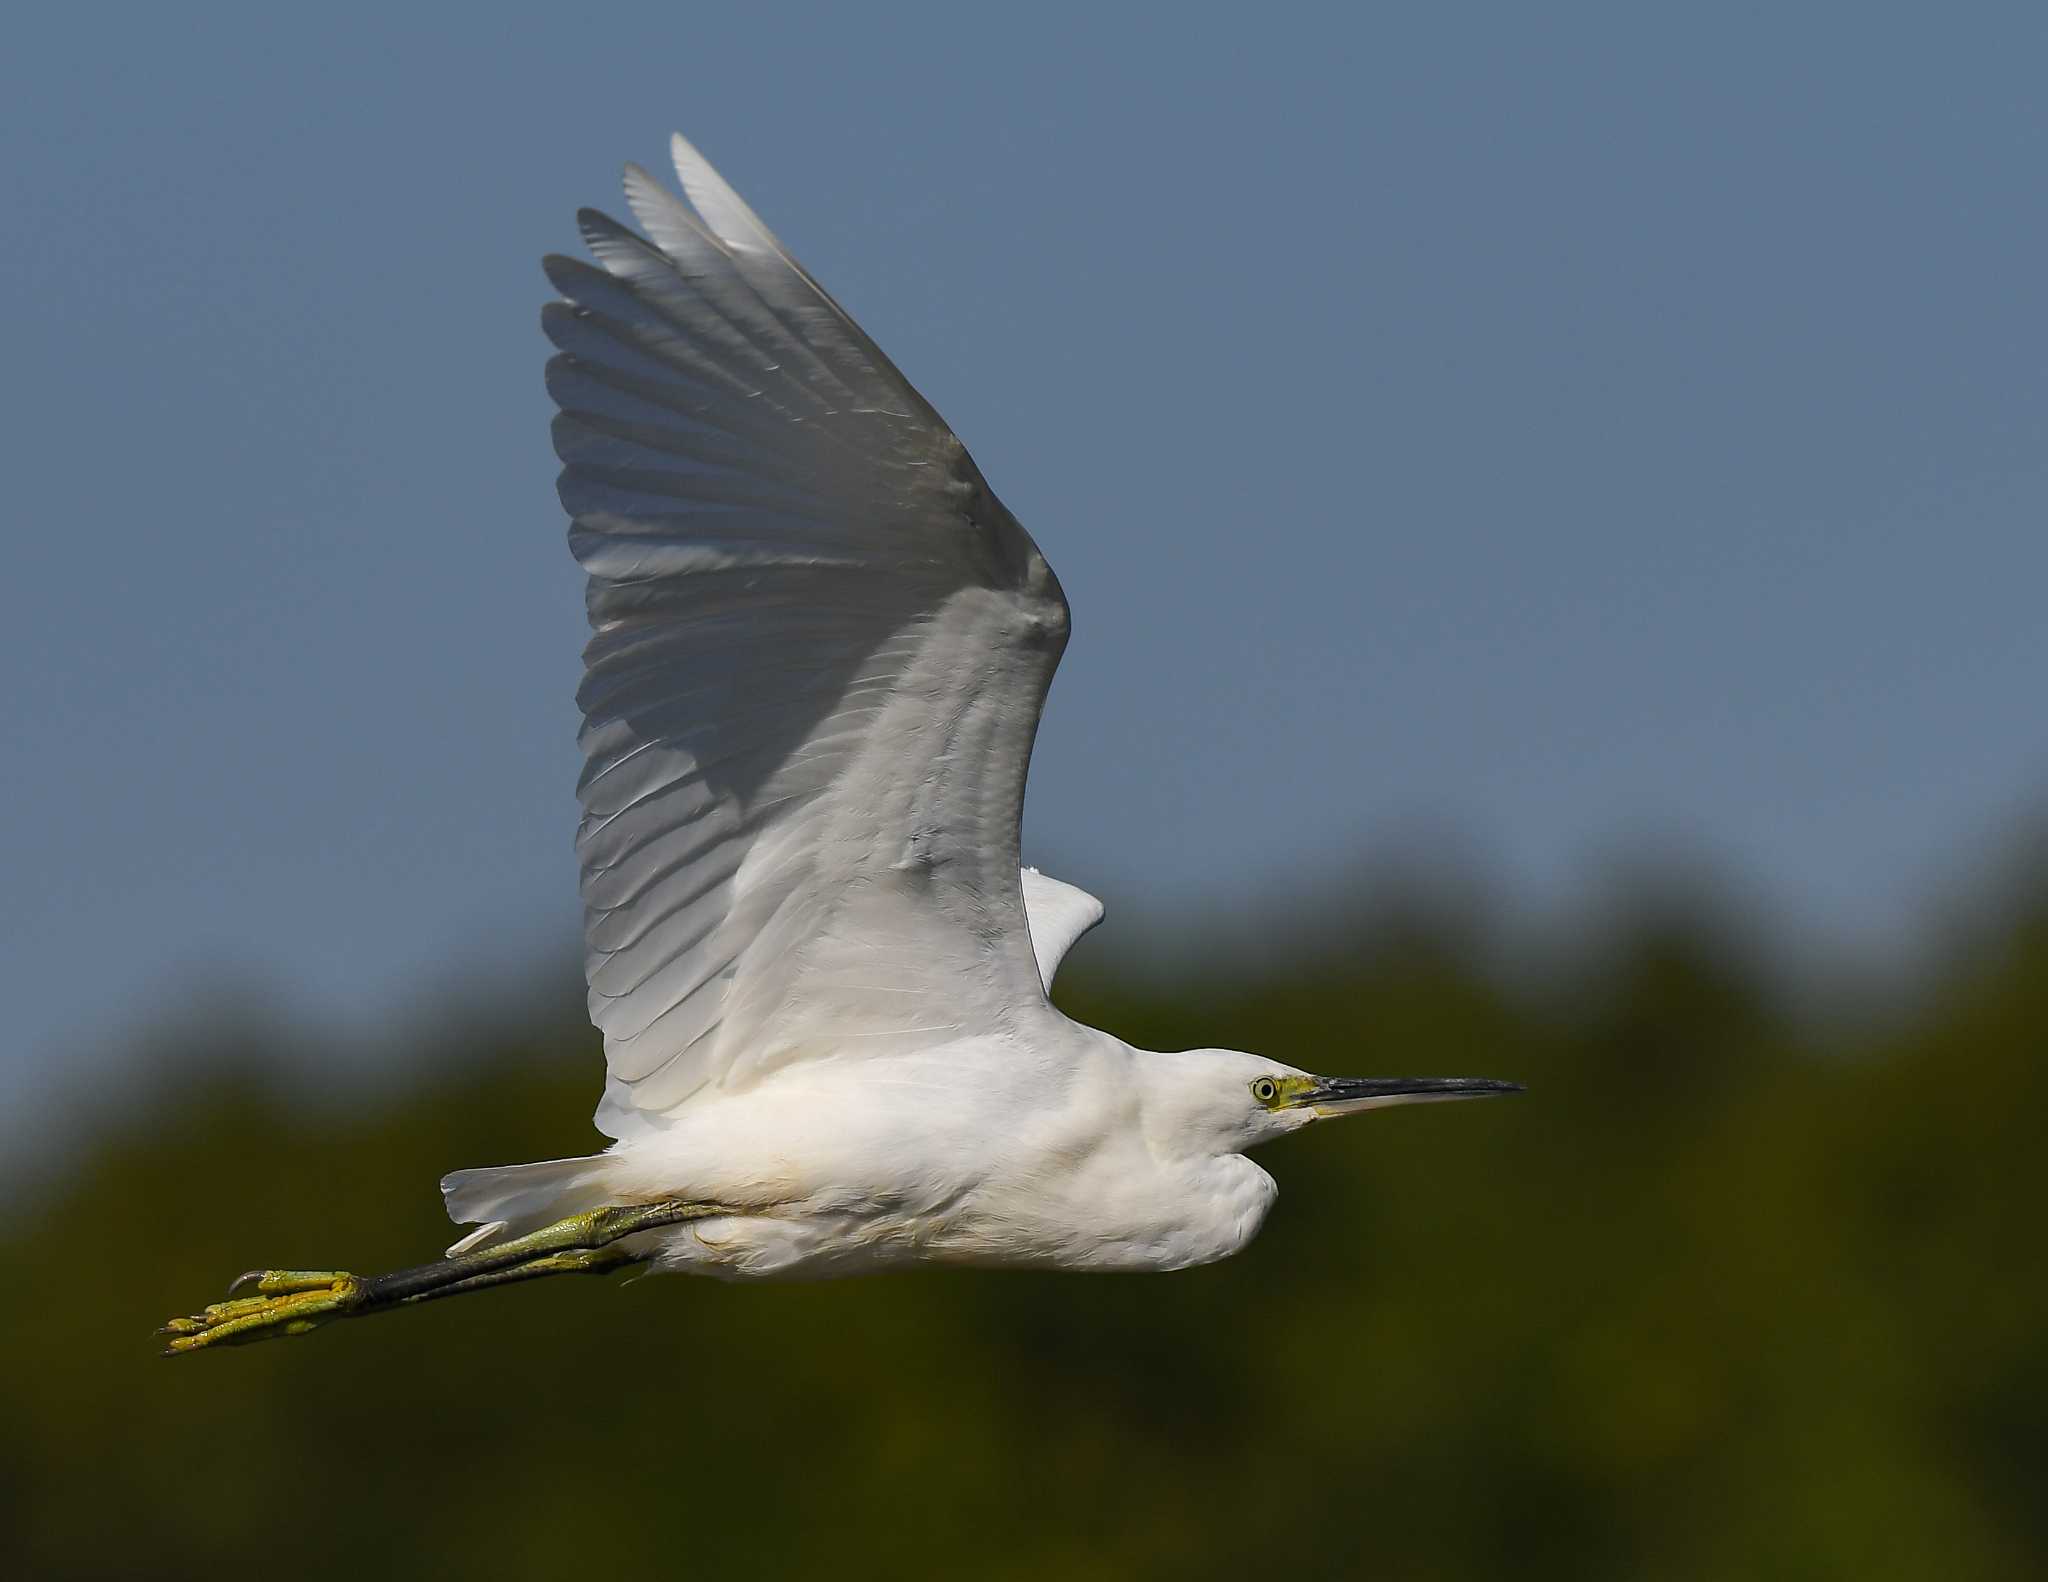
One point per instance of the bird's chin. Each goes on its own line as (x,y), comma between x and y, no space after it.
(1286,1122)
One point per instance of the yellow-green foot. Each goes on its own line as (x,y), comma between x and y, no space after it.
(287,1302)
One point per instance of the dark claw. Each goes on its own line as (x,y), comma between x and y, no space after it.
(245,1279)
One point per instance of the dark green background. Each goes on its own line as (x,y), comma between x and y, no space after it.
(1736,1290)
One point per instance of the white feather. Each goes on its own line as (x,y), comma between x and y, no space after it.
(1060,914)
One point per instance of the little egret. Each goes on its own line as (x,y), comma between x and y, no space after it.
(820,647)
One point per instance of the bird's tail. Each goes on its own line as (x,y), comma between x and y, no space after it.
(501,1199)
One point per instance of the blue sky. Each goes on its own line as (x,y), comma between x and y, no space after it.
(1574,432)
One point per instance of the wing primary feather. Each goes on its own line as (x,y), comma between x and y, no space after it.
(680,234)
(729,214)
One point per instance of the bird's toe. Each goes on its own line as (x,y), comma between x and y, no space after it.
(286,1302)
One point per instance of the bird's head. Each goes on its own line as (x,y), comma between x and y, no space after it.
(1233,1101)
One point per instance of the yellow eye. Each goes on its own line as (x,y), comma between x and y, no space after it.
(1265,1090)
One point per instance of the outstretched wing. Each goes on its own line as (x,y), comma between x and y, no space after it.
(819,649)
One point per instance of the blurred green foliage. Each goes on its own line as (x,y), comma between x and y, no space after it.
(1728,1294)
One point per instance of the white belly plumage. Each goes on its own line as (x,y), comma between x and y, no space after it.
(1176,1225)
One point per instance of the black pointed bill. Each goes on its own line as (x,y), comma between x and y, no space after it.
(1348,1095)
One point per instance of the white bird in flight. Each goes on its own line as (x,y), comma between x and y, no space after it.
(819,649)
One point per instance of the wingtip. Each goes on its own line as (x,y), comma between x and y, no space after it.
(693,170)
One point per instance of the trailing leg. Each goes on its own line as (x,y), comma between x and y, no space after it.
(295,1301)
